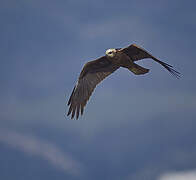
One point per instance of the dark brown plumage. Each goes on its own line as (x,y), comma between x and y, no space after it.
(95,71)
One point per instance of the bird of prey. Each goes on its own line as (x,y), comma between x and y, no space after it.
(95,71)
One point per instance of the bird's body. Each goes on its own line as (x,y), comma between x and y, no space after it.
(117,57)
(95,71)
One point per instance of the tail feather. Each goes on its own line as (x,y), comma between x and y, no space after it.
(138,70)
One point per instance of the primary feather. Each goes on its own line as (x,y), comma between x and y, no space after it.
(92,74)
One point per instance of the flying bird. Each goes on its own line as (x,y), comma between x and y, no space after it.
(95,71)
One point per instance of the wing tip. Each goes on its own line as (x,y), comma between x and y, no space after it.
(169,67)
(75,111)
(172,71)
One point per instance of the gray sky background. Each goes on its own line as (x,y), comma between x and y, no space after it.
(134,127)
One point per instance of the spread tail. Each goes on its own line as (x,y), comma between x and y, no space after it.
(138,70)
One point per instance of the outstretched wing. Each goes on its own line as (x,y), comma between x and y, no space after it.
(92,74)
(137,53)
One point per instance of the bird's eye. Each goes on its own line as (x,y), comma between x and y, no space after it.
(110,52)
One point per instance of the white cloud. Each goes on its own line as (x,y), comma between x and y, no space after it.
(46,150)
(188,175)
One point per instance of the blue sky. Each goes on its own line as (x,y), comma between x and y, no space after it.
(134,127)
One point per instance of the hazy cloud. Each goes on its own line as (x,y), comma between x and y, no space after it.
(46,150)
(186,175)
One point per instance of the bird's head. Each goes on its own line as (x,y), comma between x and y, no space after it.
(110,52)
